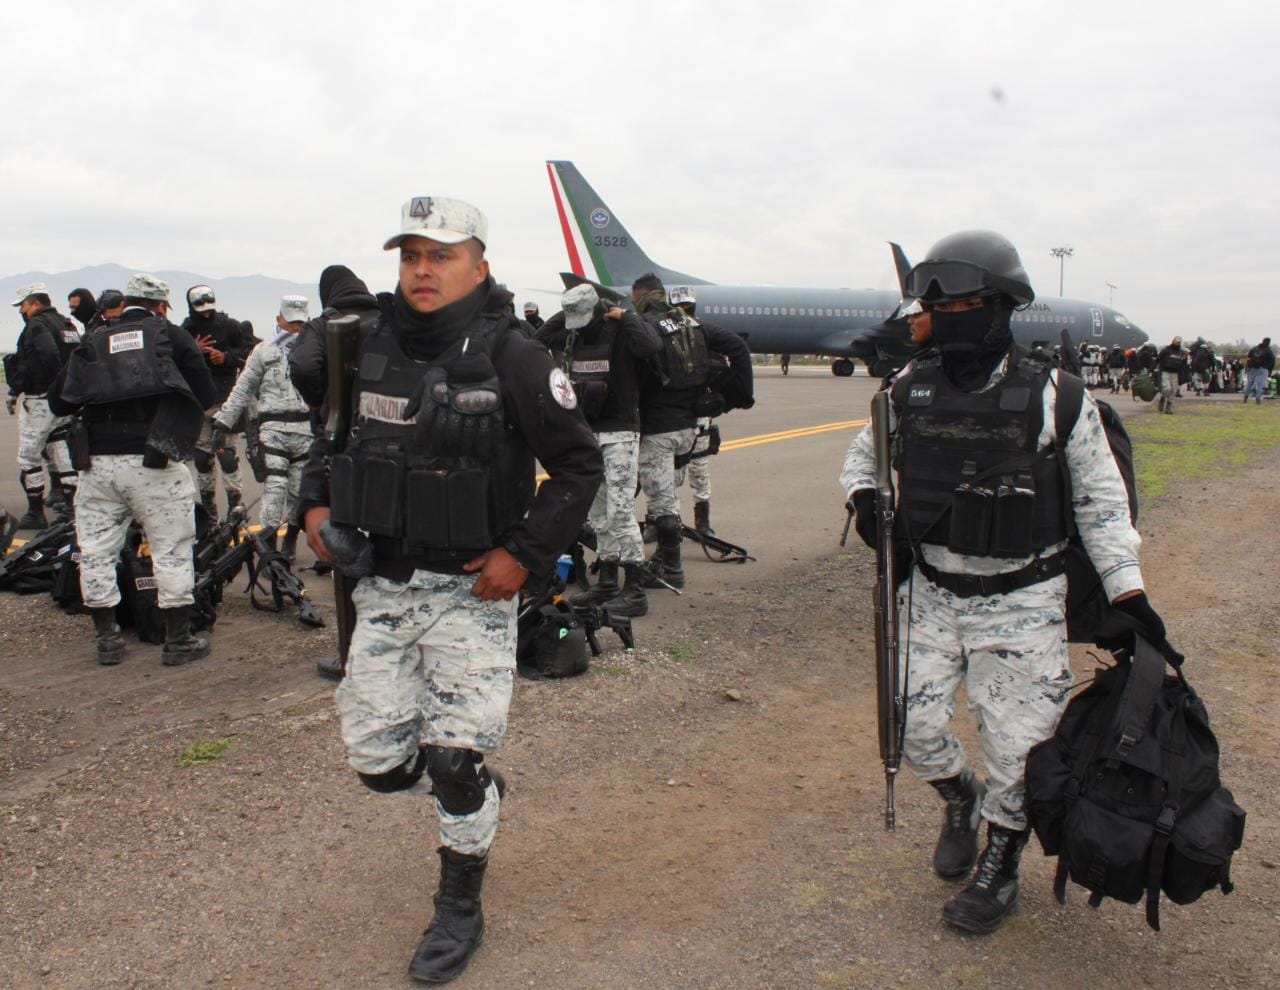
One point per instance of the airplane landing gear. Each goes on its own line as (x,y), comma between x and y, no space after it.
(842,368)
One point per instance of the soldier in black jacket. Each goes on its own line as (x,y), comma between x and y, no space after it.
(342,293)
(531,316)
(452,404)
(45,343)
(225,343)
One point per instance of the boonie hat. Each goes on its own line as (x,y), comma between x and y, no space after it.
(293,308)
(579,305)
(35,288)
(201,299)
(144,286)
(448,221)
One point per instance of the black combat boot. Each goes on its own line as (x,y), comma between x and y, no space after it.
(605,588)
(992,895)
(457,928)
(631,602)
(106,636)
(330,668)
(290,545)
(210,504)
(702,518)
(665,563)
(957,847)
(34,518)
(179,645)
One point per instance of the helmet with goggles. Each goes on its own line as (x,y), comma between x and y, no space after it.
(970,263)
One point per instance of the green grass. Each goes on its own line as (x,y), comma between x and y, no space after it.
(614,670)
(1199,442)
(8,809)
(203,751)
(682,652)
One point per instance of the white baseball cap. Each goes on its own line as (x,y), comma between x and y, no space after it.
(35,288)
(200,299)
(448,221)
(293,308)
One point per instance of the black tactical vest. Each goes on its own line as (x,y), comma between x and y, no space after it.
(684,350)
(972,477)
(63,331)
(417,504)
(131,358)
(589,366)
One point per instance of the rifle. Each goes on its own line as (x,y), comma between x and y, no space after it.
(284,583)
(253,452)
(224,568)
(220,538)
(44,544)
(730,553)
(595,618)
(890,700)
(342,339)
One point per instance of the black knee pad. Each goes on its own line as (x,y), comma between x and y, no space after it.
(203,460)
(229,460)
(459,777)
(398,778)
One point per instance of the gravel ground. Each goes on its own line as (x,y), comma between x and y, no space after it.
(704,811)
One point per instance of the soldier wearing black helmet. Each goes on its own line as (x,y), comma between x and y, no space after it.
(982,606)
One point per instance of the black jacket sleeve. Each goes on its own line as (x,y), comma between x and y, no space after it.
(54,396)
(642,337)
(735,349)
(38,357)
(552,332)
(190,361)
(562,442)
(307,361)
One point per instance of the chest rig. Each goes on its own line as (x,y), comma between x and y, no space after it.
(589,366)
(395,480)
(684,349)
(128,359)
(972,477)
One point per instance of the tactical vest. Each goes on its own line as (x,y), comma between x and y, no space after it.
(131,358)
(588,365)
(63,331)
(414,503)
(684,350)
(972,477)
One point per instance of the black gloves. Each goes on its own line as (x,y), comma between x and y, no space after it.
(864,507)
(1139,609)
(352,551)
(218,440)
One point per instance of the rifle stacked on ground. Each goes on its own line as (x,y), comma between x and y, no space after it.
(36,554)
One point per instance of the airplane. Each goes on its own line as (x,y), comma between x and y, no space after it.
(844,324)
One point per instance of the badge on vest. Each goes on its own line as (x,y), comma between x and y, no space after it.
(130,340)
(562,389)
(384,408)
(920,395)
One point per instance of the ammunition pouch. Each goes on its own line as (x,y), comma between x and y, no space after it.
(995,519)
(80,457)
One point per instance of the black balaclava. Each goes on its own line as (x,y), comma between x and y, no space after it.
(86,307)
(973,341)
(341,287)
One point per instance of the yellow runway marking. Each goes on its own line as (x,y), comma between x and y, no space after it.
(802,431)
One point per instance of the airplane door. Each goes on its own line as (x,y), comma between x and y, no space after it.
(1097,321)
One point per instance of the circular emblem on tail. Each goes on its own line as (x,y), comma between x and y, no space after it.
(599,218)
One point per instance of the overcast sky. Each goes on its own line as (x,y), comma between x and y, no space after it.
(779,143)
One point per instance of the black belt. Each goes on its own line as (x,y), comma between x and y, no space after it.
(398,559)
(987,585)
(285,417)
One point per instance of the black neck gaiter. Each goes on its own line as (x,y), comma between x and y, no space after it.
(972,342)
(425,336)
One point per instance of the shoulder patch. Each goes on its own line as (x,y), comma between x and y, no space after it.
(562,389)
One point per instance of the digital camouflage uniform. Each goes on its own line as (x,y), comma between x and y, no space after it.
(113,492)
(233,480)
(35,423)
(284,430)
(658,469)
(1010,651)
(613,511)
(698,470)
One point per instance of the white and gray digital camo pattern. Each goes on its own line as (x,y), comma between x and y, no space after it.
(284,473)
(1010,651)
(232,481)
(613,511)
(35,423)
(658,470)
(116,490)
(698,470)
(429,665)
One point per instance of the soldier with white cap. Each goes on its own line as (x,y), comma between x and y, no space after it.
(284,421)
(140,388)
(531,316)
(451,405)
(602,348)
(44,345)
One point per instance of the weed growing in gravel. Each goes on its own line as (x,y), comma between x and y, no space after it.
(9,809)
(614,670)
(203,751)
(682,652)
(1198,442)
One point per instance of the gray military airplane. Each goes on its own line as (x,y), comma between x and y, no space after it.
(844,324)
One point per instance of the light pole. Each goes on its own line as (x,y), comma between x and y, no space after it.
(1111,297)
(1062,254)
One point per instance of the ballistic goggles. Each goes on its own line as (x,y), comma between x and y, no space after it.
(937,281)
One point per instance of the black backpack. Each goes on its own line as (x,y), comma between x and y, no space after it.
(552,643)
(1126,792)
(1090,616)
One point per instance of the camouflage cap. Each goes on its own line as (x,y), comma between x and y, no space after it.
(680,294)
(579,305)
(293,309)
(448,221)
(144,286)
(35,288)
(531,307)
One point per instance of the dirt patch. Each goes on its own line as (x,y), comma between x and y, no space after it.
(702,812)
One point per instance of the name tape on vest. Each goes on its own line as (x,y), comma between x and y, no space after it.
(384,408)
(130,340)
(145,583)
(591,367)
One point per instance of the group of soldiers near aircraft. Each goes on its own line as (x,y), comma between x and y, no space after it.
(421,490)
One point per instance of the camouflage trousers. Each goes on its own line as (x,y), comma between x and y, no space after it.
(285,454)
(698,470)
(429,665)
(1168,389)
(613,511)
(658,470)
(1010,651)
(35,423)
(227,458)
(116,490)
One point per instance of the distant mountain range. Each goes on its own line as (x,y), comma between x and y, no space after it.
(246,297)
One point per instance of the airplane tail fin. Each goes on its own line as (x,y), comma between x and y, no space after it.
(901,263)
(590,228)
